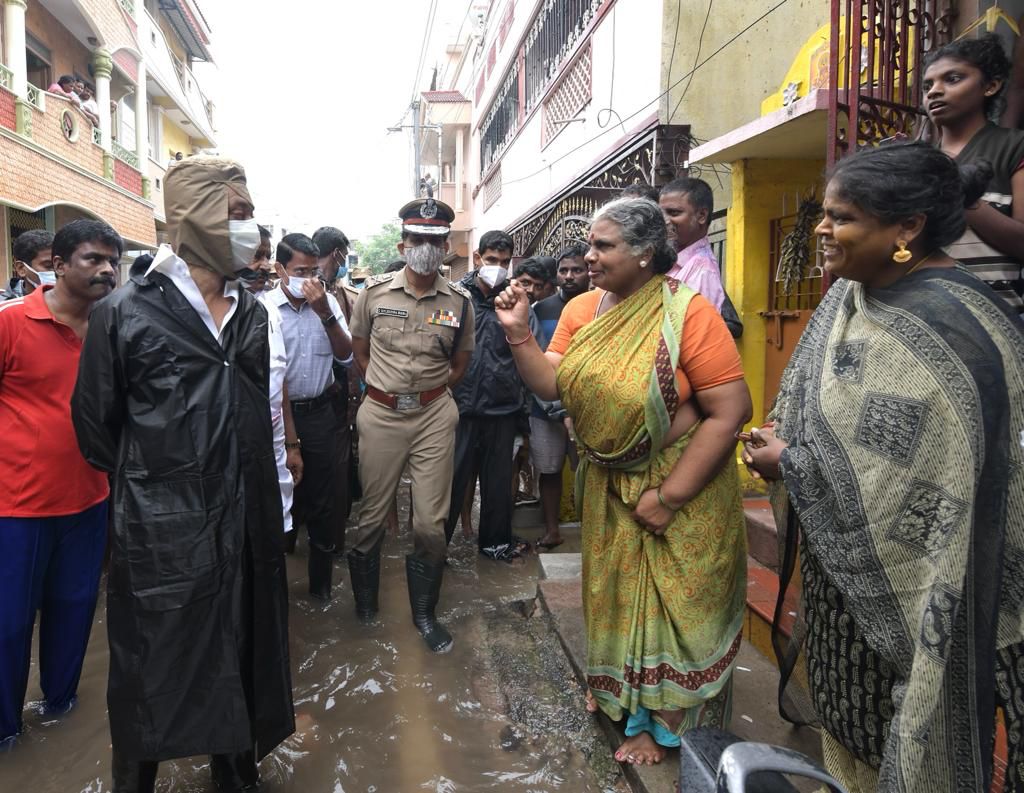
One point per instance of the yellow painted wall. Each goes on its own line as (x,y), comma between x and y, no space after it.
(174,139)
(757,190)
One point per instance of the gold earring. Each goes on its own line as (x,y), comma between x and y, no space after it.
(902,256)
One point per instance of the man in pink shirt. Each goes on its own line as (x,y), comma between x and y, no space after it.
(687,204)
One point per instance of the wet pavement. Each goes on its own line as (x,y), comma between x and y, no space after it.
(375,709)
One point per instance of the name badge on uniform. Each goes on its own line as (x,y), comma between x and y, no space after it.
(446,318)
(391,312)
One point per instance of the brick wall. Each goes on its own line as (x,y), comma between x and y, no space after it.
(30,179)
(6,259)
(127,177)
(7,117)
(47,132)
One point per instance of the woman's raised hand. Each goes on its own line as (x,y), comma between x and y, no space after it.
(513,309)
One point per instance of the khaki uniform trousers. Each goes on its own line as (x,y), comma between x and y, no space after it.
(422,438)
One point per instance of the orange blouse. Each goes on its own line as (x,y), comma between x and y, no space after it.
(707,353)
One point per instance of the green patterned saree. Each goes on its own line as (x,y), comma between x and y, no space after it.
(663,614)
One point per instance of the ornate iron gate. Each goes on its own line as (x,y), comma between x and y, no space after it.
(876,51)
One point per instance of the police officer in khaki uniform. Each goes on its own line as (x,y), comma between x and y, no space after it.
(412,335)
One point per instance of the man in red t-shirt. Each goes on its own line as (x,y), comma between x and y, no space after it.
(53,504)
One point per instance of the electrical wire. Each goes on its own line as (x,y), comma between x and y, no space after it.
(672,57)
(428,28)
(458,36)
(656,99)
(611,90)
(696,58)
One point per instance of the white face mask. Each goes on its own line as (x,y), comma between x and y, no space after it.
(294,286)
(44,277)
(245,239)
(492,274)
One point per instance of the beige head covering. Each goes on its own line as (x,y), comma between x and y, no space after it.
(196,194)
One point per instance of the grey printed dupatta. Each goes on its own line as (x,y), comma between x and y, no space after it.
(903,409)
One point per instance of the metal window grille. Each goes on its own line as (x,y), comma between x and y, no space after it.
(501,122)
(807,290)
(568,98)
(492,188)
(556,30)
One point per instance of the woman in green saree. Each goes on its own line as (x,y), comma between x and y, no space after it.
(651,377)
(896,450)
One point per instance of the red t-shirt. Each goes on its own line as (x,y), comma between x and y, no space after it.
(42,472)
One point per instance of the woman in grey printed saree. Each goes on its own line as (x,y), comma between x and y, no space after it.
(897,439)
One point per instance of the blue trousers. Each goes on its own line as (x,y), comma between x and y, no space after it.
(50,565)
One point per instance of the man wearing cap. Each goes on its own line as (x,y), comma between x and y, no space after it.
(173,400)
(412,335)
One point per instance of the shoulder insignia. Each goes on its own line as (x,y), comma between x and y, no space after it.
(460,289)
(376,280)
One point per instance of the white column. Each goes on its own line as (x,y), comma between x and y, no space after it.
(460,177)
(15,57)
(141,119)
(103,66)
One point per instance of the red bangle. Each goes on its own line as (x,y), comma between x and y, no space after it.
(523,340)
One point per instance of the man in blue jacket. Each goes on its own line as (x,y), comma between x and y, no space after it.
(490,398)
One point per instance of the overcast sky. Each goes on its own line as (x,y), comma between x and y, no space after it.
(304,92)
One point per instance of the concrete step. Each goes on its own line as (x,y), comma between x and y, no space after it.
(762,536)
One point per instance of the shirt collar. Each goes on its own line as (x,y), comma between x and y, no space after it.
(693,249)
(168,263)
(440,284)
(35,304)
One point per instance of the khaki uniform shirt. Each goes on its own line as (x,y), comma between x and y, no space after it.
(411,338)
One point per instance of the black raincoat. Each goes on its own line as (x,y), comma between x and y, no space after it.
(197,597)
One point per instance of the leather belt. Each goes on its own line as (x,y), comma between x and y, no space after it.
(303,406)
(405,401)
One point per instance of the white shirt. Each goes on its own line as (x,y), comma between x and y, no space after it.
(278,366)
(307,345)
(174,267)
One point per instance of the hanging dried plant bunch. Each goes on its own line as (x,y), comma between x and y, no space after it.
(795,252)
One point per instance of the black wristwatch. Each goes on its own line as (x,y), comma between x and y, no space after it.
(328,320)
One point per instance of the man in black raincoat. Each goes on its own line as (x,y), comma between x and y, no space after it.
(172,399)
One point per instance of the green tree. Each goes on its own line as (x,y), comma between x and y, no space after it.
(379,251)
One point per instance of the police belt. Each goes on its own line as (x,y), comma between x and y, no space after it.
(405,401)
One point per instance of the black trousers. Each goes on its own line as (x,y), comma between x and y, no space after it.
(314,497)
(485,443)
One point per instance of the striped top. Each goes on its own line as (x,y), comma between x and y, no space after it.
(1004,149)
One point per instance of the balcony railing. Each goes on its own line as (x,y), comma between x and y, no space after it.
(6,78)
(177,78)
(97,136)
(35,97)
(125,155)
(129,6)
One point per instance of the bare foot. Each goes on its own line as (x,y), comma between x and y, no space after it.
(549,541)
(591,703)
(640,750)
(467,526)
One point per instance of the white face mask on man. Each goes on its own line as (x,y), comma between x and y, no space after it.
(43,277)
(245,239)
(492,274)
(294,286)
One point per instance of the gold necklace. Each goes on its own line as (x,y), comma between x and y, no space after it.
(920,262)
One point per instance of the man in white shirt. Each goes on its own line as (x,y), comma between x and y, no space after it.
(316,336)
(172,399)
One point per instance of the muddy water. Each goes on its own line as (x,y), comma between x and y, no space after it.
(375,710)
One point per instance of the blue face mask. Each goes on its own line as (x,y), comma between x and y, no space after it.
(342,271)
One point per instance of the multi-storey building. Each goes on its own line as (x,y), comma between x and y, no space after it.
(573,100)
(55,165)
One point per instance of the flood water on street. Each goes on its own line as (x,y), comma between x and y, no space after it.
(375,709)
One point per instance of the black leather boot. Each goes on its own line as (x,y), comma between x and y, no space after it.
(321,563)
(424,589)
(364,568)
(235,773)
(132,776)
